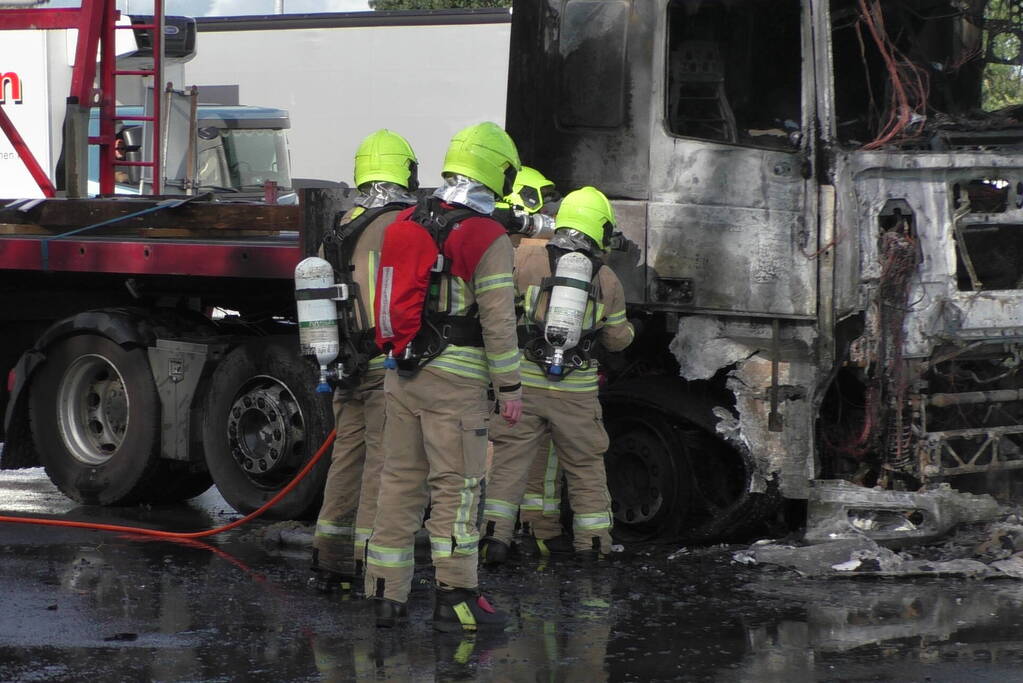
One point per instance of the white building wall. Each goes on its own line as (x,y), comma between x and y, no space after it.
(340,84)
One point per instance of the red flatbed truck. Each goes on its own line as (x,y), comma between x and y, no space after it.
(150,349)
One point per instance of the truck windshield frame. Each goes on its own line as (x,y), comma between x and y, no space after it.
(719,86)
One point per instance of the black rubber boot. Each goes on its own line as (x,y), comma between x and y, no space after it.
(329,582)
(389,613)
(464,609)
(559,546)
(493,552)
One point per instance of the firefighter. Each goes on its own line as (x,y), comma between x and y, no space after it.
(437,403)
(535,195)
(561,395)
(386,176)
(528,210)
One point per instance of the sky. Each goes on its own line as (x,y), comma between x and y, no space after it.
(208,8)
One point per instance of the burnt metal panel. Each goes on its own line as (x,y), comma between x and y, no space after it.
(613,158)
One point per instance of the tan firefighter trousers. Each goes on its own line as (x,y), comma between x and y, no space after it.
(540,507)
(576,426)
(436,446)
(345,522)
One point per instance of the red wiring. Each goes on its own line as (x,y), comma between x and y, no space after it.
(909,83)
(182,535)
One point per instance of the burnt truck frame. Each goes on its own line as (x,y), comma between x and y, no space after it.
(822,230)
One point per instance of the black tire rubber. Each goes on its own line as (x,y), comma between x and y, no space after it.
(124,478)
(180,483)
(274,361)
(648,469)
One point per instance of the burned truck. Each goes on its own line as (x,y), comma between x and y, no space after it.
(823,206)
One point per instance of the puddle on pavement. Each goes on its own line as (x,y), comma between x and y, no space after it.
(91,605)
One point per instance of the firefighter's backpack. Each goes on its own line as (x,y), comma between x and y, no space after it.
(419,249)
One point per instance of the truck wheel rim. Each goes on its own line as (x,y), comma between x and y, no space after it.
(92,409)
(266,430)
(640,464)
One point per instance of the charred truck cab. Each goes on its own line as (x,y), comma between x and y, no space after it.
(823,206)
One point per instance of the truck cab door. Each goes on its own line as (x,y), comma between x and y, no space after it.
(730,224)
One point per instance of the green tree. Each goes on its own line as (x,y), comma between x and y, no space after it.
(1003,83)
(437,4)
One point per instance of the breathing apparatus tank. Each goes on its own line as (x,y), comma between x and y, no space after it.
(567,306)
(316,294)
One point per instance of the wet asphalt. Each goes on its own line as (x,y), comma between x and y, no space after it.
(85,605)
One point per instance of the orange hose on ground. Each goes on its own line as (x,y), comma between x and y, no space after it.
(180,535)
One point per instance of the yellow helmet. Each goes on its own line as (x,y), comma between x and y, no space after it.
(485,153)
(386,156)
(589,212)
(530,190)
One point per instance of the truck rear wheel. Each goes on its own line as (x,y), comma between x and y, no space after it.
(95,419)
(263,421)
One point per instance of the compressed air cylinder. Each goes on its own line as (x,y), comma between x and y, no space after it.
(317,314)
(564,323)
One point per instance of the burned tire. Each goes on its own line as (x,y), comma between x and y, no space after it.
(648,478)
(95,418)
(263,421)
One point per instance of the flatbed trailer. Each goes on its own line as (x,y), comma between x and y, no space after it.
(150,348)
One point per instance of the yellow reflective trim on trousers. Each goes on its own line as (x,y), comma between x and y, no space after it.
(499,508)
(376,363)
(464,531)
(326,529)
(532,502)
(592,520)
(550,474)
(440,547)
(579,381)
(457,369)
(465,616)
(372,268)
(382,556)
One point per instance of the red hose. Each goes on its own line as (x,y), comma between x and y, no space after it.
(180,535)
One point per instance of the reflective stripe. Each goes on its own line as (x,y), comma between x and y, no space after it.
(616,318)
(499,508)
(372,267)
(580,381)
(382,556)
(386,285)
(551,506)
(503,361)
(466,535)
(362,535)
(458,369)
(376,362)
(440,547)
(490,282)
(550,484)
(532,501)
(592,520)
(325,529)
(467,546)
(465,616)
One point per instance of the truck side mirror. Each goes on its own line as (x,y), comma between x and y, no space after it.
(131,145)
